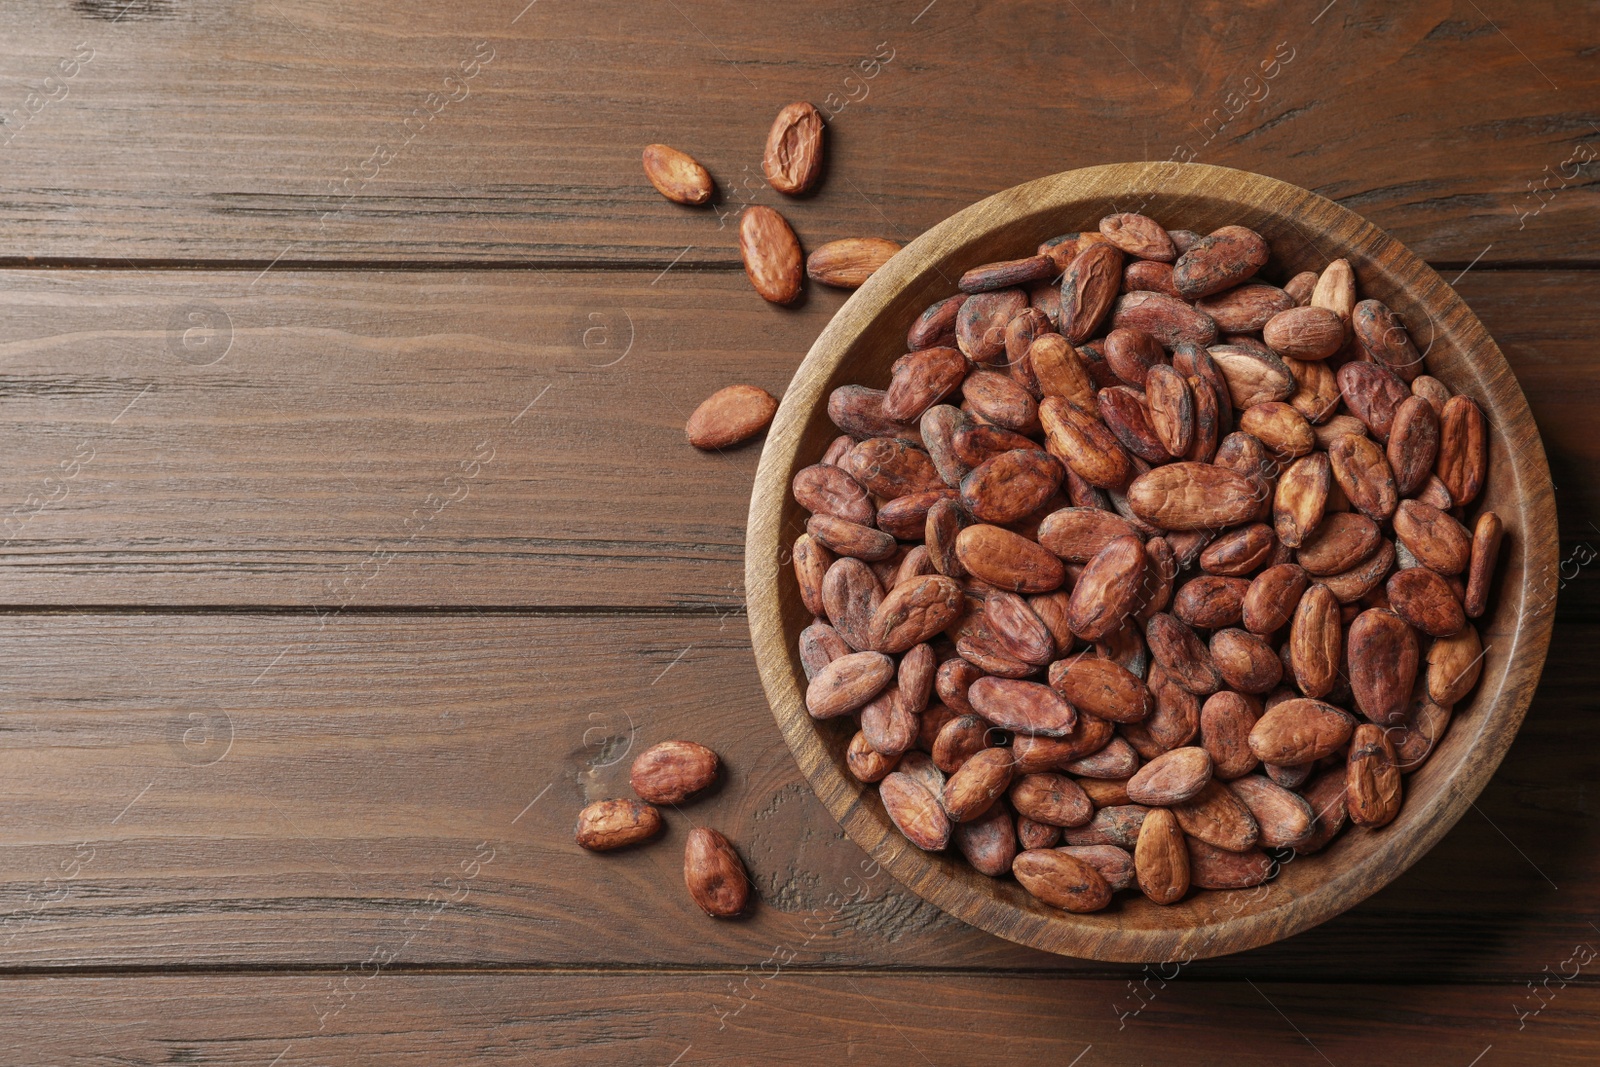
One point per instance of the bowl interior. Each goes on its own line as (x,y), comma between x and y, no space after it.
(1305,232)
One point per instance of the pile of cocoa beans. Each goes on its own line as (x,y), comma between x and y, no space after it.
(1143,568)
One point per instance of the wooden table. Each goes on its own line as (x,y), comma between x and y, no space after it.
(353,544)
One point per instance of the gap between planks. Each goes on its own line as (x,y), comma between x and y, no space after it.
(728,609)
(1568,613)
(583,266)
(626,970)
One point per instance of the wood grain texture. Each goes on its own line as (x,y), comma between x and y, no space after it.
(316,131)
(298,1020)
(509,438)
(208,791)
(1304,232)
(284,473)
(255,791)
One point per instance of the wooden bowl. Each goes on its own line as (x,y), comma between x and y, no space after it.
(1305,232)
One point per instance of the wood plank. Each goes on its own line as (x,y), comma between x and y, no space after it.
(510,438)
(295,1020)
(312,131)
(251,790)
(348,408)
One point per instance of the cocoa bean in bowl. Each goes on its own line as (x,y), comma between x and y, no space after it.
(1177,592)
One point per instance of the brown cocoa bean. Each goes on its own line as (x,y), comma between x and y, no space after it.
(1102,688)
(1437,541)
(714,874)
(1336,289)
(1271,600)
(1383,339)
(1022,707)
(1413,444)
(1219,261)
(1004,275)
(1217,817)
(1340,542)
(820,645)
(1211,601)
(936,326)
(1084,444)
(1008,560)
(915,811)
(850,539)
(1123,410)
(989,842)
(1361,470)
(1168,319)
(858,411)
(677,175)
(920,379)
(1161,859)
(673,771)
(865,763)
(1061,880)
(1226,720)
(1088,289)
(1480,570)
(1217,868)
(1373,393)
(1244,308)
(1052,753)
(1424,599)
(1182,655)
(1463,450)
(1032,834)
(611,824)
(1149,276)
(1109,589)
(793,159)
(1240,551)
(771,253)
(1357,582)
(730,415)
(1170,778)
(1372,783)
(1060,371)
(977,784)
(1415,741)
(958,741)
(1454,665)
(1114,864)
(1253,377)
(1304,333)
(1383,664)
(849,262)
(1192,496)
(1050,798)
(1285,819)
(1011,486)
(1300,731)
(1139,236)
(1245,661)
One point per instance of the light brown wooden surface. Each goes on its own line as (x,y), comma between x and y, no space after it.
(222,513)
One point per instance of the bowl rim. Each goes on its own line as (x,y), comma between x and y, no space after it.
(1100,936)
